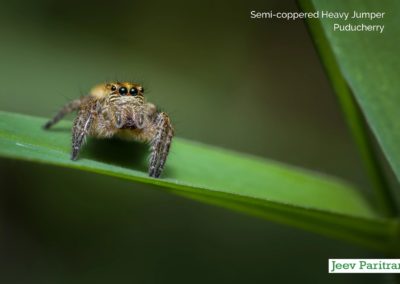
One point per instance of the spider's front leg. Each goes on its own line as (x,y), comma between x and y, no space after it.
(160,144)
(80,129)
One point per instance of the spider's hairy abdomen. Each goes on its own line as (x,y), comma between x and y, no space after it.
(120,109)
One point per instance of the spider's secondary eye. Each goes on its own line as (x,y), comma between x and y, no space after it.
(133,91)
(123,91)
(113,88)
(142,90)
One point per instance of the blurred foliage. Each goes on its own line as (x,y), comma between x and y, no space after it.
(247,85)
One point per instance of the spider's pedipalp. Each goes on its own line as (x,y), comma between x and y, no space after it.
(119,123)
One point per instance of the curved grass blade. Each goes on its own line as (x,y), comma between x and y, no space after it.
(366,65)
(259,187)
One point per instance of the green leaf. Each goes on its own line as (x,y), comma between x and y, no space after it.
(259,187)
(365,64)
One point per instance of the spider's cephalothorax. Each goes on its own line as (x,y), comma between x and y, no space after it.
(120,109)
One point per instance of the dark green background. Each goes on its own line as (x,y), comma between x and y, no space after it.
(255,86)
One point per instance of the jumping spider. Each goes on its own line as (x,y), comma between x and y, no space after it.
(120,109)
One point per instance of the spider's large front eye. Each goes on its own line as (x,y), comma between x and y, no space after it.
(123,91)
(133,91)
(113,88)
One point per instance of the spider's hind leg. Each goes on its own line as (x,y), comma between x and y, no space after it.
(68,108)
(160,144)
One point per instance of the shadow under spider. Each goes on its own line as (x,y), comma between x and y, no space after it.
(127,154)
